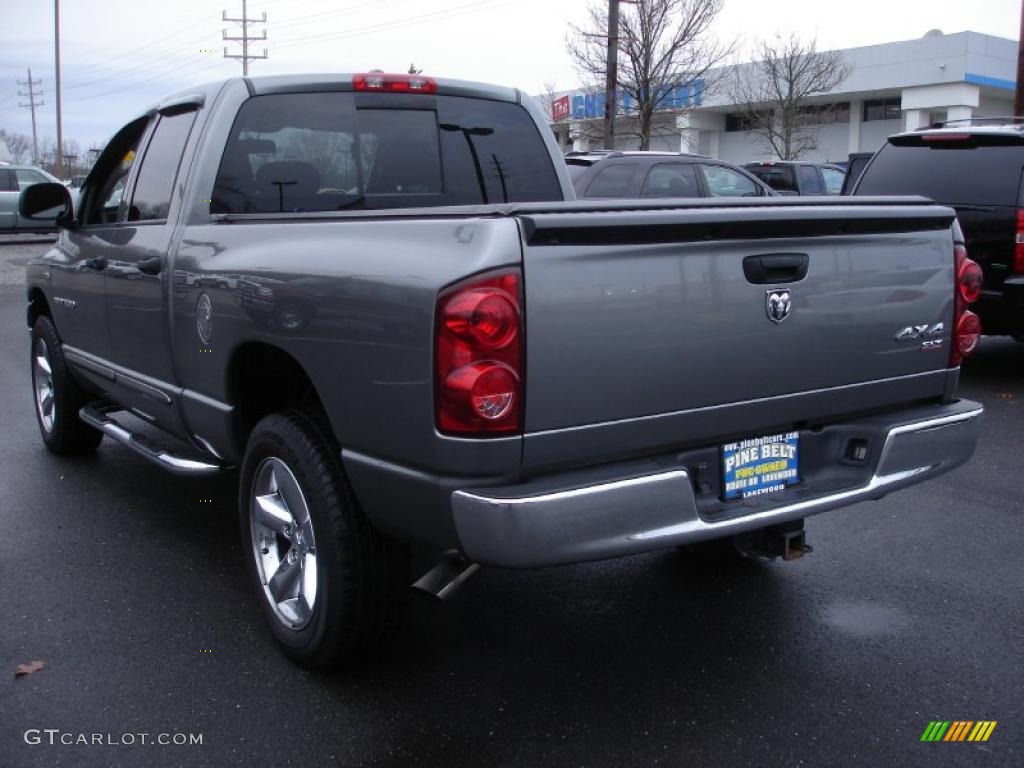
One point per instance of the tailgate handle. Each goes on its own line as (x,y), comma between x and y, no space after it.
(775,268)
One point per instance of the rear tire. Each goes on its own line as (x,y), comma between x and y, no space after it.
(57,396)
(329,584)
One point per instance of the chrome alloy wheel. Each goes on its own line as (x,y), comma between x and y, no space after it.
(42,381)
(283,543)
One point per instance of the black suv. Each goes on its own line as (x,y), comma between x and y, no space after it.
(793,177)
(607,173)
(975,167)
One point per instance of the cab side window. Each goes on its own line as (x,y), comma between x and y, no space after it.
(27,177)
(833,180)
(8,183)
(725,182)
(671,180)
(103,192)
(612,181)
(152,196)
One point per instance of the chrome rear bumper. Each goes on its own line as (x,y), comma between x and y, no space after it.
(539,523)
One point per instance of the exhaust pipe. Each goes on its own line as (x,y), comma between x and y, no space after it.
(442,581)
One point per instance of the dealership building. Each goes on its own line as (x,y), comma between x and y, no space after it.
(891,87)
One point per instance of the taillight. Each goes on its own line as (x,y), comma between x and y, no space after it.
(379,81)
(1018,248)
(479,345)
(966,325)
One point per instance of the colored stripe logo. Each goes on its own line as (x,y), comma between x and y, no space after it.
(959,730)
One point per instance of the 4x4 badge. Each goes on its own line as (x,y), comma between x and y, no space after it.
(778,305)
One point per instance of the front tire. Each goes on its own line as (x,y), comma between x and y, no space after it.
(57,395)
(330,585)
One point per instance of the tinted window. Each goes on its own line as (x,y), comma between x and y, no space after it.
(778,177)
(7,181)
(101,196)
(612,181)
(725,182)
(671,180)
(810,184)
(985,175)
(833,180)
(577,169)
(27,177)
(323,152)
(152,196)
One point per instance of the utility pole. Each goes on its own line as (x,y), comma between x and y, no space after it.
(612,74)
(58,160)
(32,104)
(245,39)
(1018,101)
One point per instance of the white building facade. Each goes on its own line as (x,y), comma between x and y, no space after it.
(892,87)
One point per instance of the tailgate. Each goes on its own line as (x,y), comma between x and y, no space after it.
(711,311)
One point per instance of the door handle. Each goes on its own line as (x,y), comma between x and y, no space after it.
(150,266)
(775,268)
(96,262)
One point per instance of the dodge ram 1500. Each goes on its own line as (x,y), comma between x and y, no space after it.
(377,297)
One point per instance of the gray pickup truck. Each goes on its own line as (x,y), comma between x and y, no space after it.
(378,298)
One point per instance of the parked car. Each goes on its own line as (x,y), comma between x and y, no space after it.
(974,167)
(790,177)
(13,179)
(855,166)
(608,174)
(426,339)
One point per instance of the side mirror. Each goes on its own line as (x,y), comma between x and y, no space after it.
(47,201)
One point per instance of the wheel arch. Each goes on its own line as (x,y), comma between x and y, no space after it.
(38,305)
(261,379)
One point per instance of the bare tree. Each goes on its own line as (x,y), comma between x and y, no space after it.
(19,145)
(774,92)
(547,97)
(663,44)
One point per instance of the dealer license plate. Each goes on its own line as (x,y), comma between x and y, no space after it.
(760,465)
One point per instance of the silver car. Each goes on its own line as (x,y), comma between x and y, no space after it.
(13,179)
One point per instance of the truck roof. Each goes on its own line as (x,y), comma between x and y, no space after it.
(266,84)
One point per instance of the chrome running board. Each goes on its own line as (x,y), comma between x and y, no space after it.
(97,415)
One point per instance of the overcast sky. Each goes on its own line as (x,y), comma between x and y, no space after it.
(118,56)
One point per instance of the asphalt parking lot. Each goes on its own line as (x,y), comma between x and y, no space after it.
(128,584)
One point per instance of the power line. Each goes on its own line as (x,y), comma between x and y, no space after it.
(394,24)
(190,65)
(245,38)
(125,55)
(139,67)
(32,104)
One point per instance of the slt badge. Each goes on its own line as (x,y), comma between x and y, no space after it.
(778,304)
(204,318)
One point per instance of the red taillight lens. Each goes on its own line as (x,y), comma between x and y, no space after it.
(379,81)
(485,317)
(1018,248)
(968,280)
(966,324)
(968,333)
(479,356)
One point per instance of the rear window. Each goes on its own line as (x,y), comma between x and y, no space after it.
(337,151)
(947,173)
(778,177)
